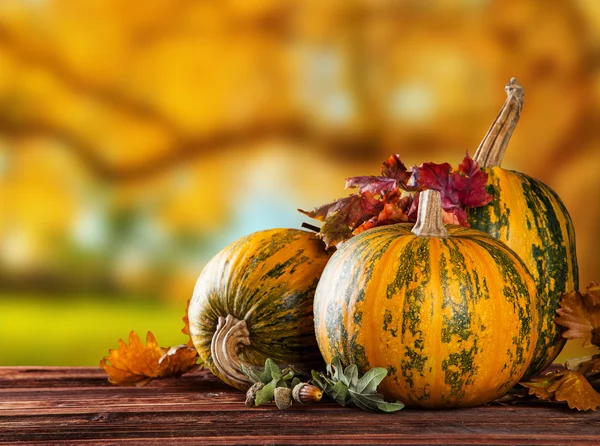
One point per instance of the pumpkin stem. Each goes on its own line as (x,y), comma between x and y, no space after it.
(429,217)
(491,150)
(230,336)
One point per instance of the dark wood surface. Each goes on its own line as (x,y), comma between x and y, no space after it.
(77,405)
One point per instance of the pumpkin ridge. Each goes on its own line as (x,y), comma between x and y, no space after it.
(550,257)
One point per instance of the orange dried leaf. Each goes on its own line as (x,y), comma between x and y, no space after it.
(538,385)
(580,314)
(186,324)
(576,391)
(138,364)
(179,360)
(571,387)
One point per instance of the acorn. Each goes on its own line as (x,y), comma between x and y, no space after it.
(283,397)
(307,393)
(251,393)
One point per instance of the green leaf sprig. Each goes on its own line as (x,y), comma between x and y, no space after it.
(268,381)
(342,385)
(346,387)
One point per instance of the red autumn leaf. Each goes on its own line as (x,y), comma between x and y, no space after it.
(394,168)
(580,314)
(138,364)
(469,183)
(372,184)
(464,187)
(393,197)
(571,387)
(436,177)
(394,176)
(454,215)
(342,216)
(361,208)
(394,212)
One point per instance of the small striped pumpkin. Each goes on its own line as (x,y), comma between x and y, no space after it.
(450,313)
(531,219)
(254,300)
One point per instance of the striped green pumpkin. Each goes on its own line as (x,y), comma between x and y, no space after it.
(264,284)
(452,319)
(531,219)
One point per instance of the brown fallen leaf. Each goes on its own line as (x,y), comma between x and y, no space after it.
(571,387)
(138,364)
(179,360)
(580,314)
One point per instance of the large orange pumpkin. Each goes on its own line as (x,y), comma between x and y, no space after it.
(450,312)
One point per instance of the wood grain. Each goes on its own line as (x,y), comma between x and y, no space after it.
(78,406)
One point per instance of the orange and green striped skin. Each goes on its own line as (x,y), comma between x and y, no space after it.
(452,319)
(532,220)
(267,278)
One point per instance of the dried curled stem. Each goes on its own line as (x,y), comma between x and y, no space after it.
(491,150)
(429,217)
(230,337)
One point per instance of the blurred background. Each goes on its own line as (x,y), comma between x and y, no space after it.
(139,138)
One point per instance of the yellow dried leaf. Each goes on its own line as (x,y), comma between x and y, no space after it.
(137,364)
(538,385)
(576,391)
(580,314)
(571,387)
(179,360)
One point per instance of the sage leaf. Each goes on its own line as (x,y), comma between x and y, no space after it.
(334,369)
(366,401)
(288,376)
(351,375)
(273,369)
(318,380)
(251,373)
(266,394)
(339,393)
(390,407)
(370,380)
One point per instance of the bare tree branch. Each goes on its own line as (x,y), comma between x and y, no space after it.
(104,94)
(179,152)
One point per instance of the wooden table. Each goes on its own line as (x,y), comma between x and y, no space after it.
(78,405)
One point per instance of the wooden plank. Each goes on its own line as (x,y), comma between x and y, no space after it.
(77,405)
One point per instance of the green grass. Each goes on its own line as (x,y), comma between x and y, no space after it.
(79,331)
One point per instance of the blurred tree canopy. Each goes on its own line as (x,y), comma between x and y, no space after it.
(138,138)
